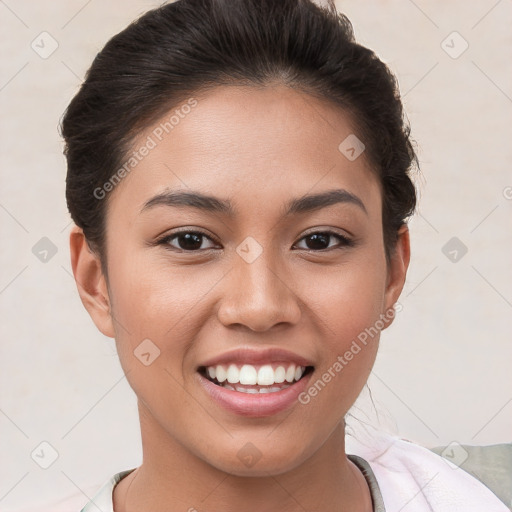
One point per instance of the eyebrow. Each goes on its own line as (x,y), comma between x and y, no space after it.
(207,203)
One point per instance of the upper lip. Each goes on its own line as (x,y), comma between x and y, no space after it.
(245,355)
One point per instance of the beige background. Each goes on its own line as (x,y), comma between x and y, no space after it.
(443,371)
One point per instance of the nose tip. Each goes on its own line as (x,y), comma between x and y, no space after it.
(258,297)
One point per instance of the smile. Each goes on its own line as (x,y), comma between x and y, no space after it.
(255,383)
(248,378)
(254,400)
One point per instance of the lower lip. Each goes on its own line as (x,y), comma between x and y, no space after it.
(255,405)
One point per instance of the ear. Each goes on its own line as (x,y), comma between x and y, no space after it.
(91,282)
(397,270)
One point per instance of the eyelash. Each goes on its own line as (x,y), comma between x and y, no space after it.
(344,241)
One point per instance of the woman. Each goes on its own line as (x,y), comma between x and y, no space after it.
(238,173)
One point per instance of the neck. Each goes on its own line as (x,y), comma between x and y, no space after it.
(171,478)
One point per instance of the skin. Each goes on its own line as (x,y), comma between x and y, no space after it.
(258,147)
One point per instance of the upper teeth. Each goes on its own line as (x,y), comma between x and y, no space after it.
(248,374)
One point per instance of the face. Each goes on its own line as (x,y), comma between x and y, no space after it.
(268,279)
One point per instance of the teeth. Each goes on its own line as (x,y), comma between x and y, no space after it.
(255,390)
(279,374)
(233,374)
(246,390)
(290,373)
(249,375)
(219,373)
(266,375)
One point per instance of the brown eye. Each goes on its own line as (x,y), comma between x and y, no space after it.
(191,241)
(320,240)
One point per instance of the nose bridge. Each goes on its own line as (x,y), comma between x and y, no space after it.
(257,293)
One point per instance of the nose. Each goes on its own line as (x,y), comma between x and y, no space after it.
(258,295)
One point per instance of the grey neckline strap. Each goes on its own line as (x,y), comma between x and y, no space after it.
(362,464)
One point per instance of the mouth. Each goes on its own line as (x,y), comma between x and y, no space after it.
(256,379)
(255,383)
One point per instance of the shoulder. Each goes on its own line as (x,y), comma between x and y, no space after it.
(446,478)
(491,465)
(103,499)
(80,501)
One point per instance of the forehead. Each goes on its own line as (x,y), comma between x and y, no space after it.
(253,145)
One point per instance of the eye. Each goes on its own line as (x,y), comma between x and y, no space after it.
(319,240)
(190,241)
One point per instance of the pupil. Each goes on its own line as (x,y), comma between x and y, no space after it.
(193,241)
(315,237)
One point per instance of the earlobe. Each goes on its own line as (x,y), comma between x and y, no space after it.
(90,281)
(397,271)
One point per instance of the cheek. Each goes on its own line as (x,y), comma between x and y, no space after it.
(357,307)
(148,295)
(158,312)
(160,302)
(350,298)
(349,304)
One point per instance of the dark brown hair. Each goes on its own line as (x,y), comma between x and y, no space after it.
(189,46)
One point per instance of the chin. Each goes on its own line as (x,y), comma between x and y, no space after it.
(249,461)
